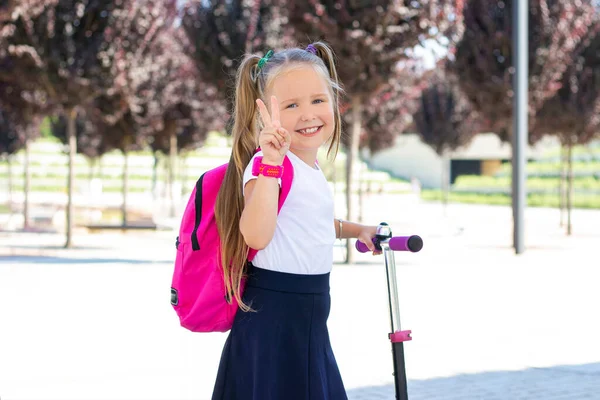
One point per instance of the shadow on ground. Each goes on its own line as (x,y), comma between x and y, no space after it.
(50,260)
(572,382)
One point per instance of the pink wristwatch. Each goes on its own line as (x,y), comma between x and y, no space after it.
(272,171)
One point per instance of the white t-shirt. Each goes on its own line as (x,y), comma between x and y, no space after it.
(305,233)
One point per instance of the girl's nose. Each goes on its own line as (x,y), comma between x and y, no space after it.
(307,117)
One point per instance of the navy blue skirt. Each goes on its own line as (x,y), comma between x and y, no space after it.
(280,351)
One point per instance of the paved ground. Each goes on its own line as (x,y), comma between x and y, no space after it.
(95,322)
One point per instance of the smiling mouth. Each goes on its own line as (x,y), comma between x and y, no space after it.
(310,131)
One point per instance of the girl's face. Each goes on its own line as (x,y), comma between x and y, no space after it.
(305,108)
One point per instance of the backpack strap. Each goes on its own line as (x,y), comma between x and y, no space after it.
(286,181)
(286,185)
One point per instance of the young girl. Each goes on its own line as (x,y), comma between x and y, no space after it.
(278,347)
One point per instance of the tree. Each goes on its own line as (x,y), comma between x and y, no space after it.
(123,135)
(95,137)
(10,143)
(369,39)
(164,98)
(6,7)
(24,105)
(90,142)
(220,32)
(10,140)
(76,51)
(179,107)
(389,112)
(20,133)
(484,62)
(444,120)
(572,114)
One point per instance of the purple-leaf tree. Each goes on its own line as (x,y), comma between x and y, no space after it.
(220,32)
(389,112)
(179,108)
(11,141)
(369,38)
(76,51)
(483,58)
(25,105)
(445,120)
(573,113)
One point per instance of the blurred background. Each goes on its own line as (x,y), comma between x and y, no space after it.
(111,110)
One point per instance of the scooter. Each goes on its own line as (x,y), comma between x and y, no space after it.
(388,244)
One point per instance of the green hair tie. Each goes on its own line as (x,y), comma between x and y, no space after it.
(263,61)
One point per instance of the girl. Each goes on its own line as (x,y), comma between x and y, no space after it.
(278,347)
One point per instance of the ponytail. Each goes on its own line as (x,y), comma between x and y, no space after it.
(325,53)
(230,200)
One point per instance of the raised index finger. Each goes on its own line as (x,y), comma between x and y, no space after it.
(264,113)
(275,111)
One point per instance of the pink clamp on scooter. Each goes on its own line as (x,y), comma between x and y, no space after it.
(385,242)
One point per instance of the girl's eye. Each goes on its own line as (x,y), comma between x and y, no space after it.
(317,101)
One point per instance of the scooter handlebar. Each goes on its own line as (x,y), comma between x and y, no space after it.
(412,243)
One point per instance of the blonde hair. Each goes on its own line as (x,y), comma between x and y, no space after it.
(252,83)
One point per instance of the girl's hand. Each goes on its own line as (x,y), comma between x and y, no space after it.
(274,141)
(366,236)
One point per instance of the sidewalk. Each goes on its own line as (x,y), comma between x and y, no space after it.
(95,322)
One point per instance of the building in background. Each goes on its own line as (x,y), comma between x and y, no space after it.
(410,158)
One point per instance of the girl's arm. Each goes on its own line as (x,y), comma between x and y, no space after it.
(259,217)
(261,196)
(351,230)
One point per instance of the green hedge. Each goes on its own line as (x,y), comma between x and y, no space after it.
(479,182)
(551,168)
(533,199)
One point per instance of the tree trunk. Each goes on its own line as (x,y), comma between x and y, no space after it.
(569,185)
(562,191)
(172,161)
(10,183)
(361,174)
(100,171)
(445,182)
(254,15)
(164,193)
(26,185)
(155,176)
(91,165)
(71,117)
(183,173)
(125,187)
(351,155)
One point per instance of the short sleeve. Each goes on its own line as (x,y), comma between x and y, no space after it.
(248,173)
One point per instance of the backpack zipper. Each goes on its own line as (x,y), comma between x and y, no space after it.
(198,206)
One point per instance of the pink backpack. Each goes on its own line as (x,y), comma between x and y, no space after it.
(198,287)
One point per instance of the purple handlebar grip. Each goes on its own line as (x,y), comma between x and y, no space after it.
(406,243)
(412,243)
(361,247)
